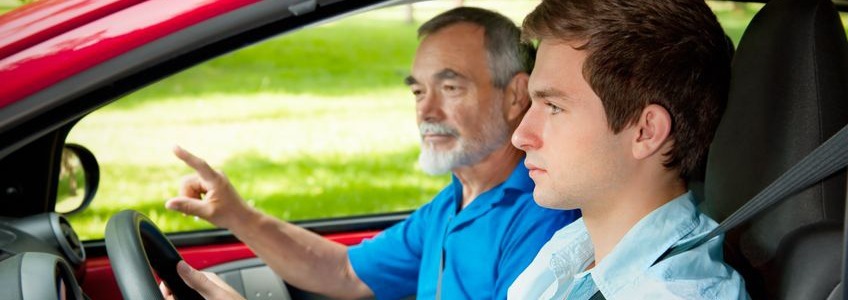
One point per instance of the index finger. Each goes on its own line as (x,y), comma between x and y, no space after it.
(166,292)
(198,164)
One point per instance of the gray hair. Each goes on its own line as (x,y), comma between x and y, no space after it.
(507,53)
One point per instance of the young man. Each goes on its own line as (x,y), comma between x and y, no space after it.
(626,96)
(469,79)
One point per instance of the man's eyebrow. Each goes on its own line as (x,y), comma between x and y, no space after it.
(444,74)
(409,80)
(549,93)
(448,73)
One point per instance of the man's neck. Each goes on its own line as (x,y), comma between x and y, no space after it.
(608,220)
(489,172)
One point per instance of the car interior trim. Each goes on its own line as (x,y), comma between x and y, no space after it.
(326,227)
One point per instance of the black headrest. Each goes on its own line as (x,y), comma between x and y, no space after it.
(788,94)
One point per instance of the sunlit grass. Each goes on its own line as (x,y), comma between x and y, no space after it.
(295,189)
(734,17)
(275,125)
(297,157)
(313,124)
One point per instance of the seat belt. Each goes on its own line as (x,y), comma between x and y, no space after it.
(838,290)
(598,296)
(830,157)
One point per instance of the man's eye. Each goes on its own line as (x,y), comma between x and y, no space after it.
(553,108)
(418,93)
(450,89)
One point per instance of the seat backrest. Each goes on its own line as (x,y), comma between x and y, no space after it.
(788,94)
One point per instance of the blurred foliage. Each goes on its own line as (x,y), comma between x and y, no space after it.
(328,60)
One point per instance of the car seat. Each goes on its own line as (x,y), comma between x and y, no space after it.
(788,94)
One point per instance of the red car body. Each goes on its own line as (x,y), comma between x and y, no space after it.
(48,41)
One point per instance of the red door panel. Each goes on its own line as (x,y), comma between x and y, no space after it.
(99,282)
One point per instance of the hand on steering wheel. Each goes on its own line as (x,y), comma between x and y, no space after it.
(135,246)
(209,285)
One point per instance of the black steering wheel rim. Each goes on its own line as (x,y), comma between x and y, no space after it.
(136,247)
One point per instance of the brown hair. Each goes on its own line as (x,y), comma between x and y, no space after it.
(672,53)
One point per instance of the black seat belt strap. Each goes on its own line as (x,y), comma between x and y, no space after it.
(830,157)
(598,296)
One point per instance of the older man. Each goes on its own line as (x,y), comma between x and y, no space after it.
(626,96)
(469,79)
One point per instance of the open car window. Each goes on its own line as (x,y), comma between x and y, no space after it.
(297,122)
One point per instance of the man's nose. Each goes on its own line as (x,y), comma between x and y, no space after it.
(526,136)
(430,108)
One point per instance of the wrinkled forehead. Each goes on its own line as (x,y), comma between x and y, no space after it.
(459,48)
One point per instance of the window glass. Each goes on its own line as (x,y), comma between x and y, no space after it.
(734,16)
(310,125)
(8,5)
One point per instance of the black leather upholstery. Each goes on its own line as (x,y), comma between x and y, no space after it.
(800,250)
(788,94)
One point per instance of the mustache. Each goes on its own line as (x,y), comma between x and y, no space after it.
(437,128)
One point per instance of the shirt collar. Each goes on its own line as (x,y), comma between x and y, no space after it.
(519,180)
(576,254)
(645,242)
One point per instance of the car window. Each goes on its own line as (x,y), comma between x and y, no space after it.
(311,125)
(734,16)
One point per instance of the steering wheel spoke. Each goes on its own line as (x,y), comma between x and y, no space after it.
(136,248)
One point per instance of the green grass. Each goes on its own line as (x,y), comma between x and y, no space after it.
(330,60)
(735,17)
(295,156)
(315,124)
(309,125)
(295,189)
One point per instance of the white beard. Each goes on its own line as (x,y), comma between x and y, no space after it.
(435,162)
(468,151)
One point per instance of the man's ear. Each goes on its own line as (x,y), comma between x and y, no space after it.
(516,98)
(652,132)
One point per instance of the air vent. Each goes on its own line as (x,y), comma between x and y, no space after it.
(6,237)
(68,240)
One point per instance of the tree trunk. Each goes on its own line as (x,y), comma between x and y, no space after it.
(410,14)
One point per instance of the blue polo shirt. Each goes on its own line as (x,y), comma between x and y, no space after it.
(486,244)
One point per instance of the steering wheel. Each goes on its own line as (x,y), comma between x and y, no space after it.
(135,245)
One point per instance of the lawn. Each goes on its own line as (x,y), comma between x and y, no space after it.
(310,125)
(298,156)
(314,124)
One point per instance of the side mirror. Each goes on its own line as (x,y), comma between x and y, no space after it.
(78,180)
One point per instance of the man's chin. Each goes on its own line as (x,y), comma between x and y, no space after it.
(436,161)
(434,165)
(547,200)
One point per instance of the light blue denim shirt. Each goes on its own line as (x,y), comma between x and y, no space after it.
(627,272)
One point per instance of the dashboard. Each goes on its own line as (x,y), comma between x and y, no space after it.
(40,258)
